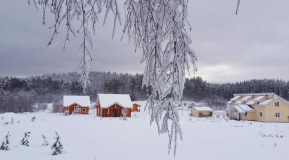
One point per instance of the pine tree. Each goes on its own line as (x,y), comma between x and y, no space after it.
(5,144)
(25,140)
(57,146)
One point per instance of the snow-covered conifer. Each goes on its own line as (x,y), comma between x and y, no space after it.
(45,142)
(25,140)
(5,144)
(57,146)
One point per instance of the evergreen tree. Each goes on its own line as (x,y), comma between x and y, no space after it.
(5,144)
(25,140)
(57,146)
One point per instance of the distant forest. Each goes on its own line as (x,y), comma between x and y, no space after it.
(19,94)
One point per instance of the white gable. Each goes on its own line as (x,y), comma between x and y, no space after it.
(81,100)
(106,100)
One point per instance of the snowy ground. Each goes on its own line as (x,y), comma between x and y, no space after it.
(86,137)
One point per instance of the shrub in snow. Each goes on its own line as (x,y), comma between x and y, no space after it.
(33,119)
(57,146)
(5,143)
(271,135)
(25,140)
(45,142)
(12,120)
(66,113)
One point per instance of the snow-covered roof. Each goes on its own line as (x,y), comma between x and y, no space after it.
(234,98)
(107,100)
(242,108)
(258,98)
(245,98)
(80,100)
(246,108)
(239,102)
(203,108)
(254,94)
(265,102)
(239,109)
(229,102)
(251,102)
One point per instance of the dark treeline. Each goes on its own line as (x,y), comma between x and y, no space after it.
(19,94)
(199,90)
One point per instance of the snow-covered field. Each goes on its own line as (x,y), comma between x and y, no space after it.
(86,137)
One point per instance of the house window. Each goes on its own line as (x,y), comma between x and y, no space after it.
(260,114)
(246,113)
(277,104)
(83,110)
(76,109)
(277,115)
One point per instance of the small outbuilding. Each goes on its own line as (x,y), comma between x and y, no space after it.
(135,107)
(76,104)
(113,105)
(202,112)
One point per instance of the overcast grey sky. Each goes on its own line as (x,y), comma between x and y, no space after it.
(252,45)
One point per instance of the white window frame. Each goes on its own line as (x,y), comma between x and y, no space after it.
(277,104)
(83,109)
(77,109)
(260,114)
(277,115)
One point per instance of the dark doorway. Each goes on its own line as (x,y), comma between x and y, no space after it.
(115,113)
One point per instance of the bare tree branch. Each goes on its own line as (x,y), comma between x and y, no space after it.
(158,28)
(238,4)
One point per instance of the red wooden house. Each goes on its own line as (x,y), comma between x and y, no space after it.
(113,105)
(76,104)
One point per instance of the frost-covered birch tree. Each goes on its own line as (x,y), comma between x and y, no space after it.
(157,27)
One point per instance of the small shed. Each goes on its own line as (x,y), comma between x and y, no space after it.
(135,107)
(202,112)
(113,105)
(76,104)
